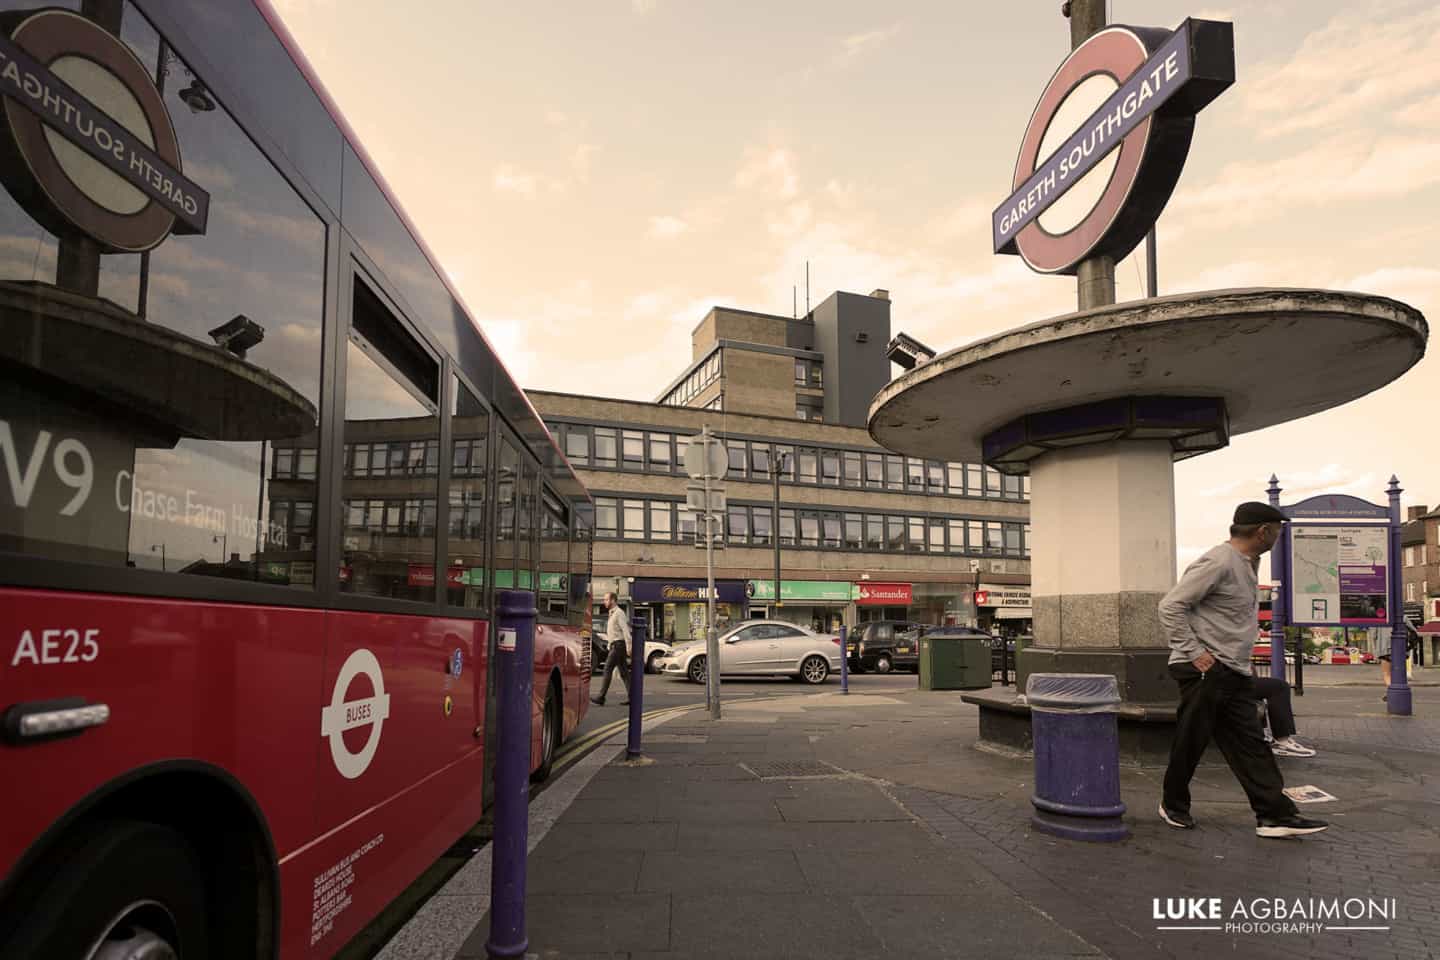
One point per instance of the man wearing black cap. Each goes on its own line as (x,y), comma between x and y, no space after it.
(1210,618)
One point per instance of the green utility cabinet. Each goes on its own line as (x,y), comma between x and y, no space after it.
(954,663)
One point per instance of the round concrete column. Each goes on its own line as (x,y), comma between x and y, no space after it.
(1103,545)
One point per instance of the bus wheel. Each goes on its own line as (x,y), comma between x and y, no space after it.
(549,735)
(121,888)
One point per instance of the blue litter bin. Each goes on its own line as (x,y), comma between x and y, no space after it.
(1077,755)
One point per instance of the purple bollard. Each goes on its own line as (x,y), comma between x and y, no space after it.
(638,631)
(514,663)
(1077,756)
(844,662)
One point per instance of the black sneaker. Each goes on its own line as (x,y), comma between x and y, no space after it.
(598,701)
(1182,821)
(1291,826)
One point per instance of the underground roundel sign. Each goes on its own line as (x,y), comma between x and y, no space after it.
(86,143)
(344,713)
(1107,141)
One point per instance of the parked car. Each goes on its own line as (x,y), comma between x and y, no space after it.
(759,648)
(655,648)
(878,645)
(1310,657)
(1339,655)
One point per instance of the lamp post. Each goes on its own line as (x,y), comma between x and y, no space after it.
(161,547)
(224,541)
(777,464)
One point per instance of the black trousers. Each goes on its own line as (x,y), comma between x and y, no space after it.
(1276,694)
(615,659)
(1220,705)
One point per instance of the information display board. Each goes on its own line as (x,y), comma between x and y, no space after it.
(1339,575)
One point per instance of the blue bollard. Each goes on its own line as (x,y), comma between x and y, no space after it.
(638,631)
(1077,756)
(514,663)
(844,662)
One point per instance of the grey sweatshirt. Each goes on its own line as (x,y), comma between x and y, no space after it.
(1214,608)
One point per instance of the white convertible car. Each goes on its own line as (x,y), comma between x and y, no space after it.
(759,648)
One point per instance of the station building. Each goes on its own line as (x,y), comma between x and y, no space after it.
(863,533)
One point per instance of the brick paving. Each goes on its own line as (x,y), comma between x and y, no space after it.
(878,829)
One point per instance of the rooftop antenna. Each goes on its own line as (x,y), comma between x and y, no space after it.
(807,288)
(794,303)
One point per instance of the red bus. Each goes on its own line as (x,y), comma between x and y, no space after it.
(262,477)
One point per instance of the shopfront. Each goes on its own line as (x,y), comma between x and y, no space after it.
(677,610)
(820,605)
(883,601)
(1003,609)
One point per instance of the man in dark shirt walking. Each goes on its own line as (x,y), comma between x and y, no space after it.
(1211,621)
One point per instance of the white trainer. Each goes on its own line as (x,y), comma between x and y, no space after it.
(1290,747)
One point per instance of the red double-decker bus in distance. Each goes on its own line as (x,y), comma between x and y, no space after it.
(261,477)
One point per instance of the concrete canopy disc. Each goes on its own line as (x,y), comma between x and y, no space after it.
(1274,355)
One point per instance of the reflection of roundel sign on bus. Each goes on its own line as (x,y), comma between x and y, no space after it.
(1107,141)
(87,144)
(344,714)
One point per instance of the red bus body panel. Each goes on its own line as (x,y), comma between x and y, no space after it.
(245,689)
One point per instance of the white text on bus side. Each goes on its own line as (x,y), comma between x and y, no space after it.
(51,641)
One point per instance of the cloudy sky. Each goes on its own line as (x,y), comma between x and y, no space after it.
(596,174)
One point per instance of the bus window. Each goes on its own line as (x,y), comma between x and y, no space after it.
(388,545)
(506,506)
(470,426)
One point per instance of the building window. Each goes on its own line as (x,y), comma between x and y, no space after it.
(736,450)
(914,473)
(660,525)
(874,471)
(809,528)
(955,475)
(1026,548)
(808,373)
(994,539)
(606,451)
(1410,561)
(830,467)
(632,443)
(685,526)
(894,473)
(1409,591)
(634,517)
(662,457)
(937,535)
(785,459)
(606,518)
(809,408)
(760,523)
(917,534)
(874,532)
(852,469)
(895,534)
(787,528)
(934,476)
(1012,487)
(1012,539)
(760,460)
(739,523)
(957,536)
(807,465)
(974,536)
(854,534)
(992,482)
(830,524)
(1025,487)
(799,372)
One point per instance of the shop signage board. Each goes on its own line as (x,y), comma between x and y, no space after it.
(686,591)
(1002,596)
(819,591)
(868,594)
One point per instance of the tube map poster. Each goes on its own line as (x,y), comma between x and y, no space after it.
(1339,575)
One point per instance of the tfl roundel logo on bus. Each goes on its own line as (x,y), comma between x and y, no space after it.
(344,714)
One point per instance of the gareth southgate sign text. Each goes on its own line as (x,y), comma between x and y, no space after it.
(1148,84)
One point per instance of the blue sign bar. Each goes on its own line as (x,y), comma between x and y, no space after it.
(1144,92)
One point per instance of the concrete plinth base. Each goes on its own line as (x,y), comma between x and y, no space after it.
(1141,672)
(1146,729)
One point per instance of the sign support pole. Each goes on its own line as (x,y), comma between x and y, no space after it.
(1096,276)
(1397,696)
(515,667)
(1280,577)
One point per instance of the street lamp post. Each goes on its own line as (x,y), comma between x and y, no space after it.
(777,464)
(162,554)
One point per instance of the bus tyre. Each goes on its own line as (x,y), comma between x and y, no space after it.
(118,888)
(549,735)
